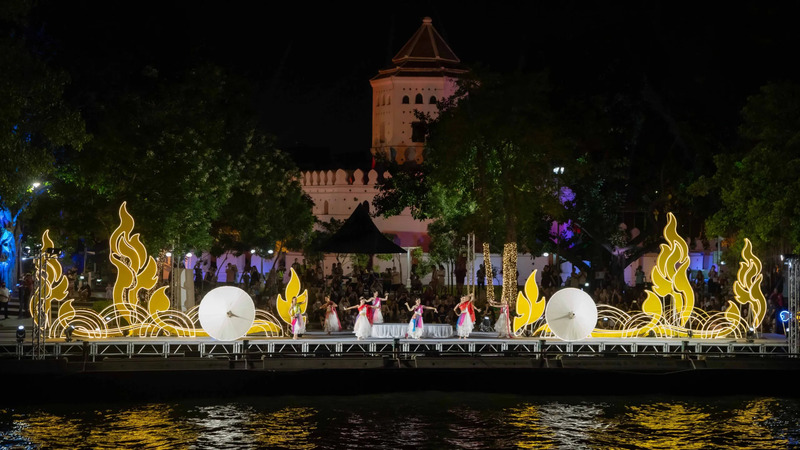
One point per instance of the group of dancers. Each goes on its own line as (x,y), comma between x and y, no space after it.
(369,313)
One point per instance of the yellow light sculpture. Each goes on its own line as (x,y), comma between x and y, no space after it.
(747,288)
(292,290)
(529,306)
(679,317)
(52,284)
(137,277)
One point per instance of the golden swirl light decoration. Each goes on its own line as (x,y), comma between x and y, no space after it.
(53,285)
(669,310)
(747,288)
(139,308)
(529,306)
(284,305)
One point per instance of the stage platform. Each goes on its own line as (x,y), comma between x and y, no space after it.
(345,344)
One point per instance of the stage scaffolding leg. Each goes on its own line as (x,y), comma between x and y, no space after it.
(792,284)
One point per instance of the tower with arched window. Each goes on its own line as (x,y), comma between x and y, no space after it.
(423,72)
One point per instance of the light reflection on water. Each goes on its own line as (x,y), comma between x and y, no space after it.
(423,420)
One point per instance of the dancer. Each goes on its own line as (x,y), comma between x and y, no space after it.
(466,317)
(503,324)
(374,314)
(362,328)
(331,322)
(415,325)
(298,320)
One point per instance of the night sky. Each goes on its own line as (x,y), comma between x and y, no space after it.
(313,62)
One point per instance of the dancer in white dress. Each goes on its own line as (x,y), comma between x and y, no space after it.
(503,324)
(375,315)
(331,321)
(298,319)
(362,327)
(466,317)
(415,325)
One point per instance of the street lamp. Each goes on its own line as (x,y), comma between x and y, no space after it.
(558,171)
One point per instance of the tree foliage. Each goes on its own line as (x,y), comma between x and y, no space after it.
(758,187)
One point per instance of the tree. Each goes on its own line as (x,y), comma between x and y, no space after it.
(758,187)
(38,126)
(488,163)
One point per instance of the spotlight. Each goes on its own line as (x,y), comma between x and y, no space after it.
(750,334)
(68,332)
(20,334)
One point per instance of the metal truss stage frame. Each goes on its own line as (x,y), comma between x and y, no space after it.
(98,350)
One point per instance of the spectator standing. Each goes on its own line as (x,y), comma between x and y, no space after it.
(4,298)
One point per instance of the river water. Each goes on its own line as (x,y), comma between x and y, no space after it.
(417,420)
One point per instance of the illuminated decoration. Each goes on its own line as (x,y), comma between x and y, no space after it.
(747,288)
(487,264)
(292,290)
(668,310)
(529,306)
(509,271)
(139,307)
(52,283)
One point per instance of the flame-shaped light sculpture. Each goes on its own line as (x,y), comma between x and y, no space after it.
(292,290)
(529,306)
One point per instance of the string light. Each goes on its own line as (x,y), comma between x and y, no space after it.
(487,262)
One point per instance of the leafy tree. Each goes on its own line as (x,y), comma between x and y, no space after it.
(37,127)
(758,187)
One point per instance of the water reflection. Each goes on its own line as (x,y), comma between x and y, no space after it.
(430,420)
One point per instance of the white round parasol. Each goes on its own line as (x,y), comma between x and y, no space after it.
(571,314)
(226,313)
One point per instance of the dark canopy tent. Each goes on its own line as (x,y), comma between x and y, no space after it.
(360,235)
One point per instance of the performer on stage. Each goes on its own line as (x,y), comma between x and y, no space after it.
(466,317)
(503,324)
(362,327)
(415,325)
(298,320)
(331,322)
(374,314)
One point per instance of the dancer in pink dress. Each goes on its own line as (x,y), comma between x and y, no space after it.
(374,314)
(466,317)
(331,321)
(415,325)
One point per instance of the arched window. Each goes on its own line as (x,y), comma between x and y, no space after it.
(432,100)
(405,99)
(325,208)
(418,99)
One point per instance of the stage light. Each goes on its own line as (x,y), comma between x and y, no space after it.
(68,333)
(784,316)
(20,334)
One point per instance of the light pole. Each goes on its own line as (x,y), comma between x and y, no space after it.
(558,171)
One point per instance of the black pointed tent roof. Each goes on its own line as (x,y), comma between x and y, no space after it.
(359,234)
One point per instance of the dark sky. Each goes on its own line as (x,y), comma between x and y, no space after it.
(313,61)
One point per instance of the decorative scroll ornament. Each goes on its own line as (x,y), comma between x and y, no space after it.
(747,288)
(53,285)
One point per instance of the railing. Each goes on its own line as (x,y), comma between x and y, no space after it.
(400,348)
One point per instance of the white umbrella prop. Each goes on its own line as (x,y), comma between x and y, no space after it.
(571,314)
(227,313)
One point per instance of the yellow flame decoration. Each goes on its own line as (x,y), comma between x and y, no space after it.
(292,290)
(53,284)
(529,306)
(747,288)
(139,308)
(669,275)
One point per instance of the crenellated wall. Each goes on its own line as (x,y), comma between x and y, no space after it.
(336,193)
